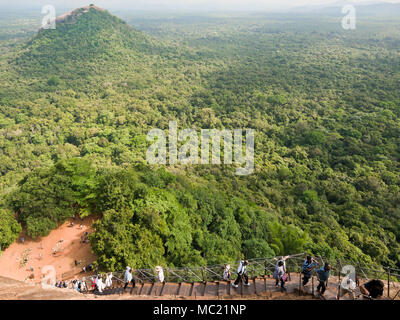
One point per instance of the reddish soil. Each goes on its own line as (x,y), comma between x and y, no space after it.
(66,240)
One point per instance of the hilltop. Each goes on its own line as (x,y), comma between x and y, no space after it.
(72,15)
(86,41)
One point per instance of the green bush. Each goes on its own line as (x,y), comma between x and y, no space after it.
(9,228)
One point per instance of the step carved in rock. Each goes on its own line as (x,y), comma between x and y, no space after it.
(235,291)
(198,289)
(146,289)
(185,289)
(260,286)
(248,290)
(223,288)
(156,291)
(170,289)
(211,289)
(136,290)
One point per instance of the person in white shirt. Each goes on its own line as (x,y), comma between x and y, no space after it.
(129,278)
(283,259)
(160,273)
(109,280)
(83,286)
(100,284)
(349,286)
(242,274)
(76,285)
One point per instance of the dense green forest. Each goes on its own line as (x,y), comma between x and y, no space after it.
(77,102)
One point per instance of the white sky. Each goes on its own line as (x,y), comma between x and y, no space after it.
(183,4)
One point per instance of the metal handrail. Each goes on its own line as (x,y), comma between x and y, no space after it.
(256,267)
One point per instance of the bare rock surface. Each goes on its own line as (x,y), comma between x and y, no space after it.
(17,290)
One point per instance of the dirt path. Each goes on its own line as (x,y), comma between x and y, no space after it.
(65,240)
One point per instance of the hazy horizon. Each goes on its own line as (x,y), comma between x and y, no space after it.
(186,5)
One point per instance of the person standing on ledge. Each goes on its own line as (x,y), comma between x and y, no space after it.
(242,274)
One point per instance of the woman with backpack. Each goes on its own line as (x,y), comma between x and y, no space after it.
(280,275)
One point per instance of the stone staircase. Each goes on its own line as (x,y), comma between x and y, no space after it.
(259,286)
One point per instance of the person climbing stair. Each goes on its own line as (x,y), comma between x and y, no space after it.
(279,275)
(308,266)
(242,274)
(129,278)
(323,276)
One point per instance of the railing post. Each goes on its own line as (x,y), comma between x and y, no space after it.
(299,283)
(339,285)
(265,268)
(203,274)
(388,282)
(312,283)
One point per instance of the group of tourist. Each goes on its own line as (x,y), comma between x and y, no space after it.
(373,289)
(77,285)
(279,274)
(99,282)
(96,283)
(99,285)
(309,266)
(88,268)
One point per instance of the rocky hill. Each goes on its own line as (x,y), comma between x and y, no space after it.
(85,41)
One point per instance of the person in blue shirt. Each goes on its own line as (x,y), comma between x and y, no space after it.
(323,276)
(308,266)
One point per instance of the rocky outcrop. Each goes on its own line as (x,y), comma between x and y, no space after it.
(17,290)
